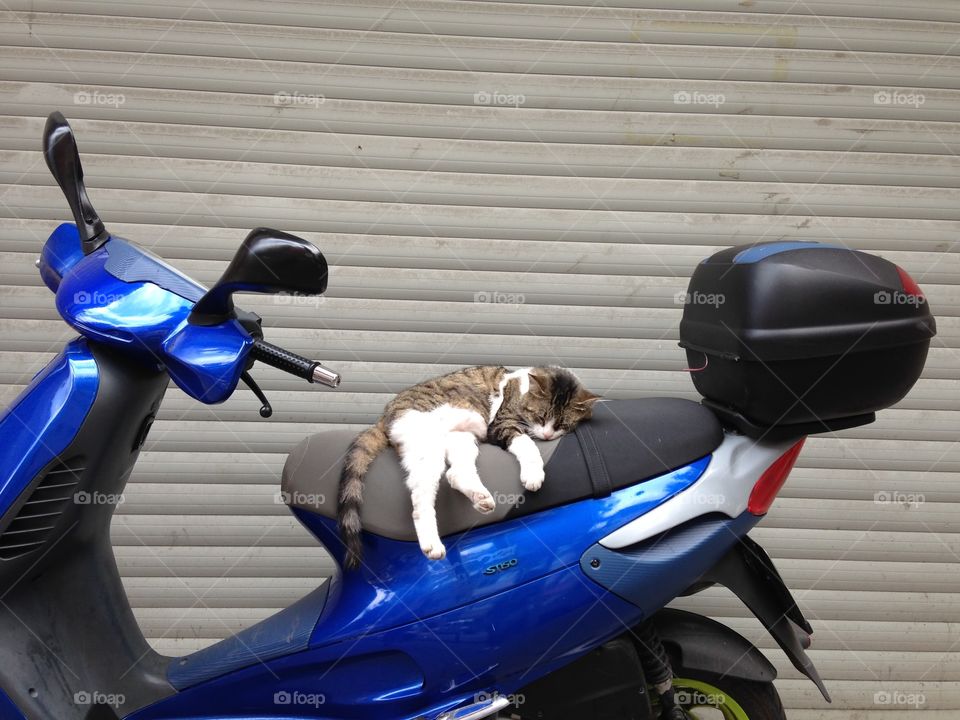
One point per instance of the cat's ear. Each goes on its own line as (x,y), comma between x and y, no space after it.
(539,384)
(584,398)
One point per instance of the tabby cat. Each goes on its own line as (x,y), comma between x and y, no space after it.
(435,426)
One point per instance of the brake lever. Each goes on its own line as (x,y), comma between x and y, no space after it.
(266,410)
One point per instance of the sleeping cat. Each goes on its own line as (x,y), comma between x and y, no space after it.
(435,426)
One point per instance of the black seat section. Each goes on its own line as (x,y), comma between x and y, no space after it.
(634,439)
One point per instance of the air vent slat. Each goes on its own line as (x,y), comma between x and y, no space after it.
(33,516)
(45,486)
(37,517)
(21,546)
(43,501)
(30,523)
(47,493)
(54,474)
(19,533)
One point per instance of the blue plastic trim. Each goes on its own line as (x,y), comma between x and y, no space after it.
(285,632)
(45,418)
(9,711)
(655,571)
(761,252)
(60,253)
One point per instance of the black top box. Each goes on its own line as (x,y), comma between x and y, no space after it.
(793,338)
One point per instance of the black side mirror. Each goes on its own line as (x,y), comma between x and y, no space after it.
(63,159)
(268,261)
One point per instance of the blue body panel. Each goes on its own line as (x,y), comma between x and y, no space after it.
(398,585)
(9,711)
(60,252)
(283,633)
(646,574)
(505,641)
(450,629)
(45,418)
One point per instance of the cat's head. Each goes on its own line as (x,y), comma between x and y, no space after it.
(556,402)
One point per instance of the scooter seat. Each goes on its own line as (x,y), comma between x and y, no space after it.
(626,442)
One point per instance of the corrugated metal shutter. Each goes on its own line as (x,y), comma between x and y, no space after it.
(581,157)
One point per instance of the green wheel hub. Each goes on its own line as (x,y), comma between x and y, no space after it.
(704,701)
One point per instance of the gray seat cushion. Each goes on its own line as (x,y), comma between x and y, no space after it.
(311,477)
(638,439)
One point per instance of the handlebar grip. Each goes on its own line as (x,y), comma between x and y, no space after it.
(309,370)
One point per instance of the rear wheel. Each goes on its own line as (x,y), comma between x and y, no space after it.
(707,696)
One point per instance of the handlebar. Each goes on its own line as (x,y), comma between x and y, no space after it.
(309,370)
(207,355)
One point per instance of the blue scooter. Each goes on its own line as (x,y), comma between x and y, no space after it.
(552,607)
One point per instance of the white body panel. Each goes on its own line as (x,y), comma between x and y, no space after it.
(724,487)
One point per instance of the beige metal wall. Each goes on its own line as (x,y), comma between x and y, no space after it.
(568,164)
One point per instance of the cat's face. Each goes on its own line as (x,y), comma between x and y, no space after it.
(556,403)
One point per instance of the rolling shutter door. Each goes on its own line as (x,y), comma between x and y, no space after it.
(509,183)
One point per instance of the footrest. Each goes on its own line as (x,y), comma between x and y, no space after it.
(488,707)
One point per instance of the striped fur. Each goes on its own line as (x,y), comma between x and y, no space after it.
(362,452)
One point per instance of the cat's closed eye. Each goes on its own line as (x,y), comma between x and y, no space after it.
(535,413)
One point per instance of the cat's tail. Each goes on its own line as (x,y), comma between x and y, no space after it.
(365,447)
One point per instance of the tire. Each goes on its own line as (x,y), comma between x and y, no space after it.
(707,696)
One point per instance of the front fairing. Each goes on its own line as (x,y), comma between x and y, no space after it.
(124,297)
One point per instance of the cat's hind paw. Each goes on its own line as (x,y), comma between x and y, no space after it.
(483,502)
(532,479)
(434,550)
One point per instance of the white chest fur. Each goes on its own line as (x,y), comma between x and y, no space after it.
(496,400)
(414,426)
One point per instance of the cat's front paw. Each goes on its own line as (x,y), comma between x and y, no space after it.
(531,478)
(483,502)
(434,550)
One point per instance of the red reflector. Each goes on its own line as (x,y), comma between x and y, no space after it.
(773,478)
(910,286)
